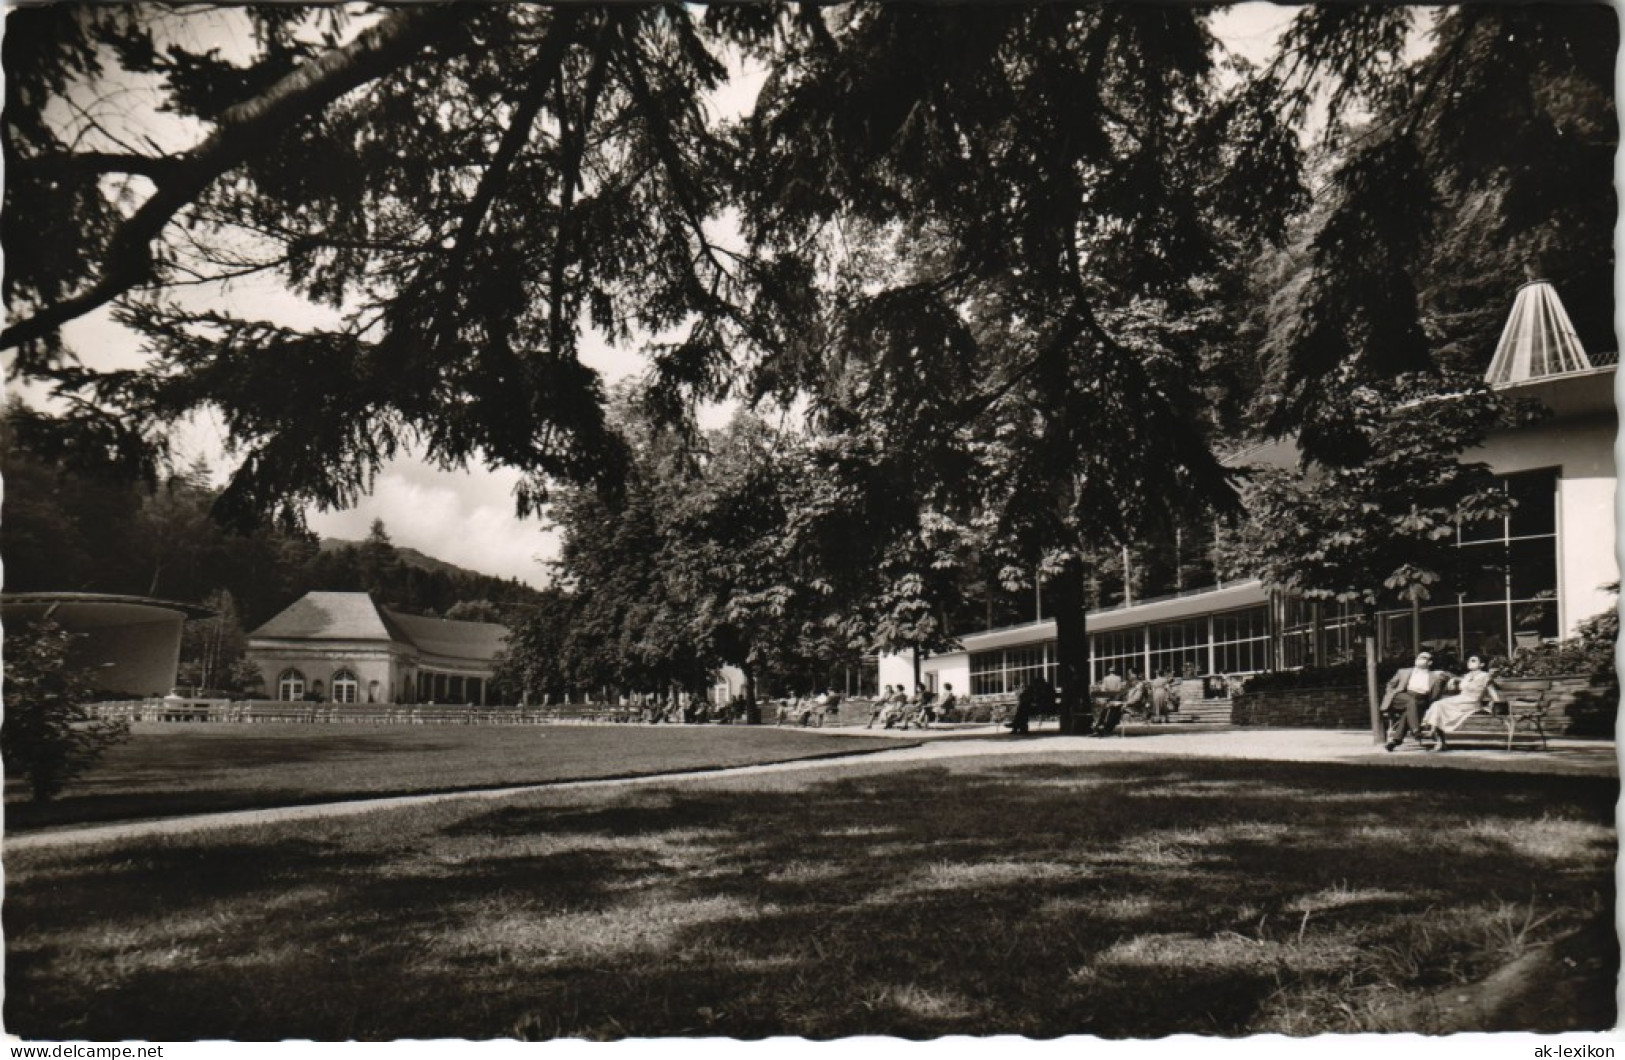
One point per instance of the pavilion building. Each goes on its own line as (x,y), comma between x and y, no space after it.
(126,645)
(1558,544)
(347,648)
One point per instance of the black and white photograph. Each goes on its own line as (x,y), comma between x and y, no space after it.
(748,522)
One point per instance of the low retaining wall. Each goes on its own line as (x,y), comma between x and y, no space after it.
(1575,706)
(1302,708)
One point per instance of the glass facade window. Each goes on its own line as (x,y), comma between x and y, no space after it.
(1241,641)
(1297,632)
(1510,600)
(1535,497)
(1180,648)
(1121,650)
(1338,633)
(1397,636)
(1005,670)
(1485,629)
(1340,625)
(346,689)
(290,686)
(1441,630)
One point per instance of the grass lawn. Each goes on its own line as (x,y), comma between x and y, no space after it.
(166,770)
(1053,895)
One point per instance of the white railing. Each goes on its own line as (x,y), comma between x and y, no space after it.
(261,711)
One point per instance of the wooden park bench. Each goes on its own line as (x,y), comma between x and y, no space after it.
(1524,717)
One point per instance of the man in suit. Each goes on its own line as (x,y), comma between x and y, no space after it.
(1412,690)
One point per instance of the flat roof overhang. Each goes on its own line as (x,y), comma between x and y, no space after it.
(1170,609)
(97,610)
(1571,394)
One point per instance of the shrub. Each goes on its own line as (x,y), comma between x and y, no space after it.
(48,735)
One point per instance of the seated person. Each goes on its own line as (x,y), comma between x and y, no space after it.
(1108,714)
(1108,705)
(1451,713)
(877,708)
(924,702)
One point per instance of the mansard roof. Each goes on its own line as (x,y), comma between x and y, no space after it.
(330,616)
(445,636)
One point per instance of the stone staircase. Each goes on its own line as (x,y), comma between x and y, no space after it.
(1204,711)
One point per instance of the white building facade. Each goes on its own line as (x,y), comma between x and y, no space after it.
(346,648)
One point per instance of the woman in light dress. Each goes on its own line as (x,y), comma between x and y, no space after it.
(1451,713)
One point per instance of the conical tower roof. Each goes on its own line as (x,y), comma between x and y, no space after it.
(1538,339)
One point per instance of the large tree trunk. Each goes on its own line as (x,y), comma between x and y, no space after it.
(1071,647)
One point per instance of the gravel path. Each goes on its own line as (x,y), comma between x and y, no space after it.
(1572,757)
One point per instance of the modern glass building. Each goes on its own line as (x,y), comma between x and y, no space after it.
(1547,563)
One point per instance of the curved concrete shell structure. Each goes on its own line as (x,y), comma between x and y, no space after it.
(128,644)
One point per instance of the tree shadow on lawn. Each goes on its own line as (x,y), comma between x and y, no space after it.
(1122,899)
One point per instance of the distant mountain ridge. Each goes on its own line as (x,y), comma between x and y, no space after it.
(412,558)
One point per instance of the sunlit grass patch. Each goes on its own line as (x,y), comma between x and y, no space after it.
(1342,896)
(672,849)
(805,872)
(1548,839)
(1128,907)
(950,875)
(1156,849)
(920,1002)
(1182,953)
(607,934)
(1224,834)
(860,831)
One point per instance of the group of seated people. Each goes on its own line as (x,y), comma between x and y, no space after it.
(802,710)
(895,707)
(1113,696)
(1431,703)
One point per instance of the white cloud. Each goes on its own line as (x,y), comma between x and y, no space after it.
(462,517)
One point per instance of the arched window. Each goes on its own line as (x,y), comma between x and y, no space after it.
(290,686)
(346,689)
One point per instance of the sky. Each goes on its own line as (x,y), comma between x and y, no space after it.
(467,516)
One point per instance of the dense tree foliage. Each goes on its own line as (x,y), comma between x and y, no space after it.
(492,178)
(696,562)
(1028,268)
(1483,164)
